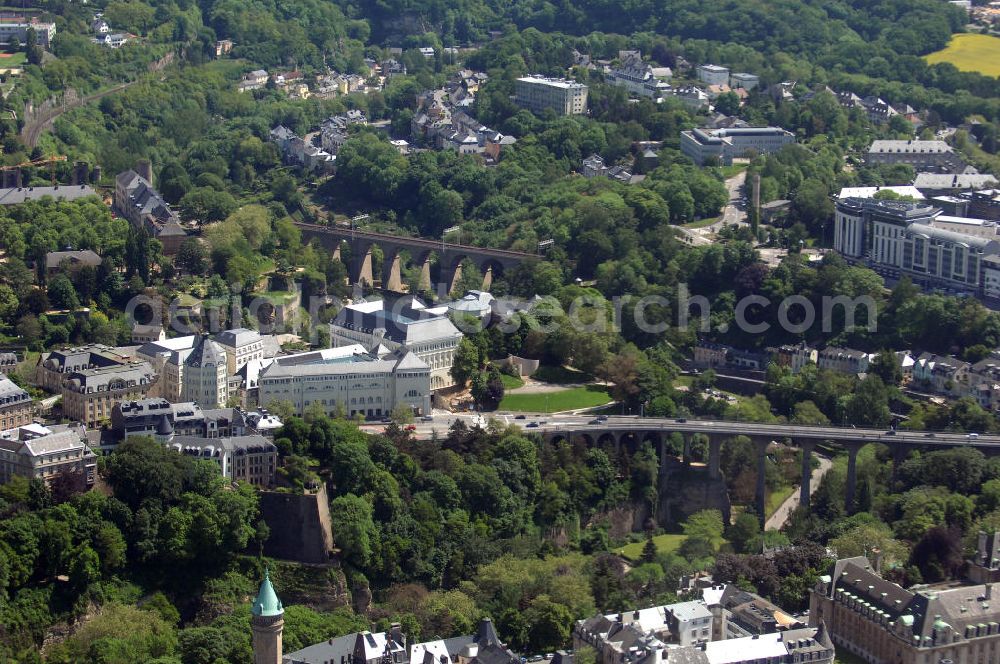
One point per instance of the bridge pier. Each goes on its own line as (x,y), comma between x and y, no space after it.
(687,449)
(487,277)
(850,489)
(425,274)
(391,273)
(805,492)
(361,266)
(450,275)
(760,497)
(714,457)
(899,454)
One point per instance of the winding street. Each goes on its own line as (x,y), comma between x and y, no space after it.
(784,511)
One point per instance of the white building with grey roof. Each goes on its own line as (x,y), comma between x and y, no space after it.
(933,156)
(205,375)
(348,378)
(401,323)
(242,345)
(47,453)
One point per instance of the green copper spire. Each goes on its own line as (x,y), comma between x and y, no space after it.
(267,603)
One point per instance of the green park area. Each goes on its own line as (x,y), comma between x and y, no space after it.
(971,52)
(556,401)
(511,382)
(666,543)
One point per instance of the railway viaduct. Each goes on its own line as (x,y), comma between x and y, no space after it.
(491,262)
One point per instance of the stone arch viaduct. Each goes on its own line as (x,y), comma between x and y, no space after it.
(491,262)
(631,431)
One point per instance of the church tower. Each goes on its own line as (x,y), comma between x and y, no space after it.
(267,623)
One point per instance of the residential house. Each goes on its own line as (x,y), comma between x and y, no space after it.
(843,360)
(254,80)
(392,68)
(113,39)
(639,78)
(796,357)
(144,334)
(944,375)
(223,47)
(61,262)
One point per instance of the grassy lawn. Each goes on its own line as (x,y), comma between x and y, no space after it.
(8,59)
(510,382)
(734,170)
(971,52)
(701,223)
(552,402)
(775,498)
(664,544)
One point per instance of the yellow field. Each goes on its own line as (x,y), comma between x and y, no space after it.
(968,52)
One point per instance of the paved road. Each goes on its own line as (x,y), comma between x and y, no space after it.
(784,511)
(552,424)
(730,213)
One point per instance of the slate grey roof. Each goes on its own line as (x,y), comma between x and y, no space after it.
(237,337)
(292,367)
(84,256)
(205,352)
(10,392)
(403,323)
(18,195)
(112,377)
(333,650)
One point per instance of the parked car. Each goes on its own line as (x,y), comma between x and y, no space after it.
(427,418)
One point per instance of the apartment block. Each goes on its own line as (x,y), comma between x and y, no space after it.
(538,93)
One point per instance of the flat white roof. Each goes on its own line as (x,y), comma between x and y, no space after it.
(869,192)
(731,651)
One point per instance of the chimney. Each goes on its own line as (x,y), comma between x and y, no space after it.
(396,632)
(144,167)
(80,172)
